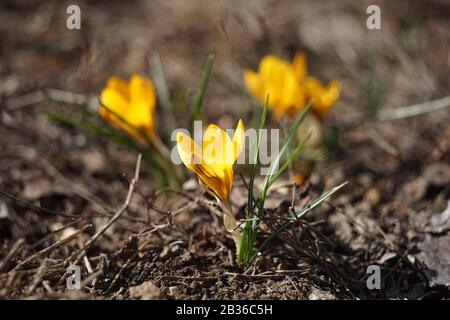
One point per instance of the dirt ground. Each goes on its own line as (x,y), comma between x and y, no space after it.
(59,185)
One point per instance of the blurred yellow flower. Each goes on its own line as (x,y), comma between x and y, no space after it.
(323,97)
(130,105)
(289,87)
(213,162)
(276,77)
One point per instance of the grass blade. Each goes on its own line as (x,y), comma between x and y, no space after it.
(85,126)
(291,159)
(284,149)
(312,205)
(115,136)
(382,143)
(157,74)
(201,91)
(249,232)
(256,160)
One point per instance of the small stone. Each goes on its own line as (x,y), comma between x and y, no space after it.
(318,294)
(174,291)
(145,291)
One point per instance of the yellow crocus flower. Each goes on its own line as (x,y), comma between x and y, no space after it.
(289,87)
(133,101)
(277,78)
(213,163)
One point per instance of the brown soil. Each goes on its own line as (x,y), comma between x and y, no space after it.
(56,180)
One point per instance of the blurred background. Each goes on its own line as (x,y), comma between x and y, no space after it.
(399,169)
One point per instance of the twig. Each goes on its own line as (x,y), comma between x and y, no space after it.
(243,276)
(78,189)
(154,229)
(37,278)
(414,110)
(75,218)
(122,269)
(293,284)
(47,287)
(17,245)
(91,278)
(79,253)
(382,143)
(57,244)
(184,278)
(87,264)
(35,97)
(28,99)
(53,233)
(34,207)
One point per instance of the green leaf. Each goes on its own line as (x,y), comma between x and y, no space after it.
(112,135)
(59,97)
(249,232)
(201,91)
(158,76)
(293,157)
(312,205)
(283,150)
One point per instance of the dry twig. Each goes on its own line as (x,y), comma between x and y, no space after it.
(79,253)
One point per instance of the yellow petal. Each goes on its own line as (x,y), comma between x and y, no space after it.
(218,186)
(238,139)
(216,179)
(217,148)
(300,66)
(120,85)
(286,96)
(142,89)
(140,115)
(254,84)
(273,68)
(293,98)
(189,151)
(323,97)
(274,71)
(113,101)
(134,102)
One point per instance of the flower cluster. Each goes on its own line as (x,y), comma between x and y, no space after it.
(130,106)
(289,87)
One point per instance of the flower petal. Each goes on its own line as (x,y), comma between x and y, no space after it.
(272,67)
(254,84)
(285,93)
(300,66)
(217,148)
(238,139)
(214,173)
(141,116)
(189,151)
(113,101)
(142,90)
(216,180)
(323,97)
(220,186)
(120,85)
